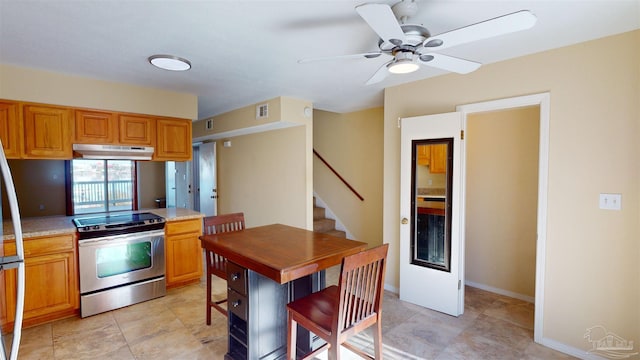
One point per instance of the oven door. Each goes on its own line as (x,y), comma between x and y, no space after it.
(122,259)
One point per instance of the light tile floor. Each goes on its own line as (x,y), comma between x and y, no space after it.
(173,327)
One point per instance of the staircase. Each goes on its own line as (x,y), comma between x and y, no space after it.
(323,225)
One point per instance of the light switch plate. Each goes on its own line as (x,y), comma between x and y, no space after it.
(611,201)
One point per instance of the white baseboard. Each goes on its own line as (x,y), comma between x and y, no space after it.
(569,350)
(392,289)
(508,293)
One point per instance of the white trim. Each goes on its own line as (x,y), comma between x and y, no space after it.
(504,292)
(543,100)
(570,350)
(391,288)
(277,125)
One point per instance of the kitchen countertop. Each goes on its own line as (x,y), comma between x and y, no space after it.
(58,225)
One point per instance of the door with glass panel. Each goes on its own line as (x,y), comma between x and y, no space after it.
(431,247)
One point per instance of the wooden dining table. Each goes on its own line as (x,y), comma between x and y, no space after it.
(269,266)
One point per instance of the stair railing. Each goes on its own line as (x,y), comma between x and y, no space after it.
(338,175)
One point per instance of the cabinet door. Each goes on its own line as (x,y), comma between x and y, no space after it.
(51,285)
(10,129)
(184,258)
(136,130)
(173,140)
(183,252)
(424,154)
(95,127)
(47,132)
(438,158)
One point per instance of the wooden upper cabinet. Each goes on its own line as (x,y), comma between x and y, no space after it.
(173,140)
(95,127)
(136,130)
(438,159)
(47,132)
(424,154)
(10,128)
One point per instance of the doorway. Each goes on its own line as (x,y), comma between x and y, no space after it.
(542,101)
(192,184)
(501,201)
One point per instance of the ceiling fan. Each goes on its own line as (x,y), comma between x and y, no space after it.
(411,46)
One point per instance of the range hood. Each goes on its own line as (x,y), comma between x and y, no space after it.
(113,152)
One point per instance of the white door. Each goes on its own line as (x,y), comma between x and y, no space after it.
(207,178)
(431,244)
(183,185)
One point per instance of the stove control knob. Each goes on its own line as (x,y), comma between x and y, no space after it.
(151,221)
(87,228)
(96,227)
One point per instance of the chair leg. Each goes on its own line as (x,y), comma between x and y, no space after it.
(334,350)
(292,329)
(377,339)
(209,303)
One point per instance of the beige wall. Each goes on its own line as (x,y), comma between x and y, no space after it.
(502,199)
(17,83)
(267,175)
(352,144)
(592,255)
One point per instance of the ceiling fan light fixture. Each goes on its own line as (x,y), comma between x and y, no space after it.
(403,66)
(170,62)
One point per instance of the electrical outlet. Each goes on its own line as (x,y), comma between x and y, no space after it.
(611,201)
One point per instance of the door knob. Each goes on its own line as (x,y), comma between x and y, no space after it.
(404,221)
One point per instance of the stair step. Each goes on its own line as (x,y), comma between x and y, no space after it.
(318,213)
(323,225)
(337,233)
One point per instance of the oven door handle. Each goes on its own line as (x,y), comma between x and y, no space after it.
(118,239)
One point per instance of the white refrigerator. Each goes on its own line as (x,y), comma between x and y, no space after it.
(10,341)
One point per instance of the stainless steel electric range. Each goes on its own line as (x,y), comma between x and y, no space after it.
(121,260)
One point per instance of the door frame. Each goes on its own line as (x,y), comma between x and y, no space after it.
(543,101)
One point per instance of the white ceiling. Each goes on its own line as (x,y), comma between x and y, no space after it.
(244,52)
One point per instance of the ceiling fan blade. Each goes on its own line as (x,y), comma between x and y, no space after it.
(369,55)
(380,74)
(449,63)
(381,19)
(505,24)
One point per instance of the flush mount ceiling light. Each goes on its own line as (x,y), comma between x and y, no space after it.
(170,62)
(403,63)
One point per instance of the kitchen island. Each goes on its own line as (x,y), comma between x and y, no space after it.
(270,266)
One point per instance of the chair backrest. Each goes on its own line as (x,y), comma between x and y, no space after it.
(223,223)
(361,286)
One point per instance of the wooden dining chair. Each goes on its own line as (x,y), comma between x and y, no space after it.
(216,264)
(338,312)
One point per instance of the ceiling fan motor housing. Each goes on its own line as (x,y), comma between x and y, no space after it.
(415,35)
(405,9)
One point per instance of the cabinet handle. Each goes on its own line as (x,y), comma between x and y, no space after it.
(235,276)
(235,303)
(405,221)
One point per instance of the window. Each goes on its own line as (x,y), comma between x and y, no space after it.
(102,185)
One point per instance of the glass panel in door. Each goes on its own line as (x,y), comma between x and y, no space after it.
(431,235)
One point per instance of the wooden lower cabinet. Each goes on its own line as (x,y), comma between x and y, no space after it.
(183,252)
(51,280)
